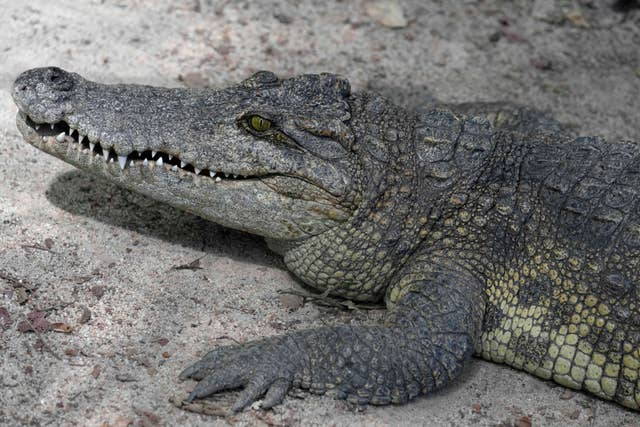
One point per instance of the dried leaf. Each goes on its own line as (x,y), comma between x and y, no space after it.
(5,317)
(95,373)
(48,243)
(98,291)
(85,316)
(35,323)
(35,315)
(387,12)
(24,326)
(577,19)
(61,327)
(291,301)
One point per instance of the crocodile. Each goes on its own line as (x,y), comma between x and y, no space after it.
(486,230)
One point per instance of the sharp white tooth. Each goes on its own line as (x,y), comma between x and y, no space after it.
(174,168)
(159,161)
(212,174)
(60,137)
(37,126)
(153,154)
(170,157)
(52,125)
(197,170)
(71,131)
(111,160)
(91,146)
(226,175)
(235,175)
(80,138)
(182,164)
(218,179)
(145,162)
(106,156)
(123,161)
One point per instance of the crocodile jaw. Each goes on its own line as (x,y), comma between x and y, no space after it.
(238,193)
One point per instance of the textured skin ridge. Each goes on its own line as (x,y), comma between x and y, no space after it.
(487,228)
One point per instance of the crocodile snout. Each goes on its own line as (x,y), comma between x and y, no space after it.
(41,92)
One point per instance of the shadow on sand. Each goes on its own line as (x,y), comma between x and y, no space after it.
(88,196)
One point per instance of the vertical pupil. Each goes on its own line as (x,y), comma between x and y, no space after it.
(259,123)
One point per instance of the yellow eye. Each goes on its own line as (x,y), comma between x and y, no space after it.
(260,124)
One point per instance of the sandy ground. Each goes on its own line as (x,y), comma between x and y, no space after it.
(79,253)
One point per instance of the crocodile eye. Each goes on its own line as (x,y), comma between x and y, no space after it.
(259,124)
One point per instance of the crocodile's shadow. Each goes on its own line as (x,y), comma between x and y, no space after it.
(82,194)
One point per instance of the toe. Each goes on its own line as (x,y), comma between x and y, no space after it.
(250,394)
(215,382)
(276,393)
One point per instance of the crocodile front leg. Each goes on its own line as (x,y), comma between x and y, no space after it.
(424,343)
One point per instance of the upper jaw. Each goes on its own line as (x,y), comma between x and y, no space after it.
(63,140)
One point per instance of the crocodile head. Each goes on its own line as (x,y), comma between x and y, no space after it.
(268,156)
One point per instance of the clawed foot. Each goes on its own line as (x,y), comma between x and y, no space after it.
(260,368)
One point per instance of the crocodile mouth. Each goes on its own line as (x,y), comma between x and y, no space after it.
(53,137)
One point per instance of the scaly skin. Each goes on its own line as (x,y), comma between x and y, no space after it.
(486,228)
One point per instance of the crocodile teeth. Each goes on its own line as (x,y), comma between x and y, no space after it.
(37,126)
(71,130)
(174,168)
(153,154)
(123,161)
(212,174)
(196,170)
(235,175)
(80,138)
(91,145)
(52,125)
(159,161)
(145,162)
(60,137)
(182,164)
(170,156)
(218,179)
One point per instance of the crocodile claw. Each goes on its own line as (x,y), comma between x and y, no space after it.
(258,367)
